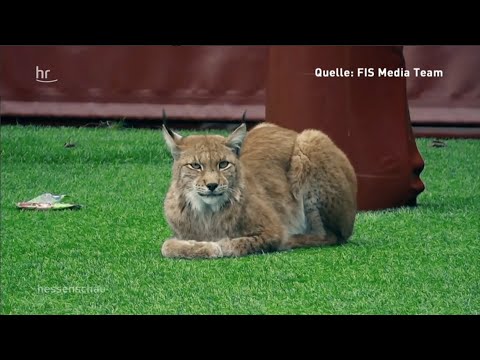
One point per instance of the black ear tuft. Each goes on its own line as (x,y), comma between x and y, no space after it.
(244,116)
(164,116)
(172,139)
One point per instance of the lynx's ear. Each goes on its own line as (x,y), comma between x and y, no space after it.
(235,140)
(172,139)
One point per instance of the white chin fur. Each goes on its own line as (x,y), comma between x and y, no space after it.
(203,203)
(212,200)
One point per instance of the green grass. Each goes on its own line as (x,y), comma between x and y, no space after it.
(406,261)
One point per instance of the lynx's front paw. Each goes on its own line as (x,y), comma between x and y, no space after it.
(191,249)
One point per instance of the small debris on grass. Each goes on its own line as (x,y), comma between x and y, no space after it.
(47,201)
(438,143)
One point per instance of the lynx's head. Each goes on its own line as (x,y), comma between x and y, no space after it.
(206,168)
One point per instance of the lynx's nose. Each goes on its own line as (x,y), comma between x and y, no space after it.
(212,186)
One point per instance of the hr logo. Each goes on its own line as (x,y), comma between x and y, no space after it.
(42,76)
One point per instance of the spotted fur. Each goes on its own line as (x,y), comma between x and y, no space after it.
(281,190)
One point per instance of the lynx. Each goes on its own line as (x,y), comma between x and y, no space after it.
(268,189)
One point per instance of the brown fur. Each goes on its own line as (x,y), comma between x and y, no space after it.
(282,190)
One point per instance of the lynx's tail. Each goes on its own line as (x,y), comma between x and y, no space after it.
(323,177)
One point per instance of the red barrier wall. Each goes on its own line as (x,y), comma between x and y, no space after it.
(204,82)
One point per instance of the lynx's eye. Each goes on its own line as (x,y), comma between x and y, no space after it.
(195,166)
(222,165)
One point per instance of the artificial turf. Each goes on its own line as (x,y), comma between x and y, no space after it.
(105,258)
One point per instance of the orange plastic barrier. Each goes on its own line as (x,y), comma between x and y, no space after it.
(366,116)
